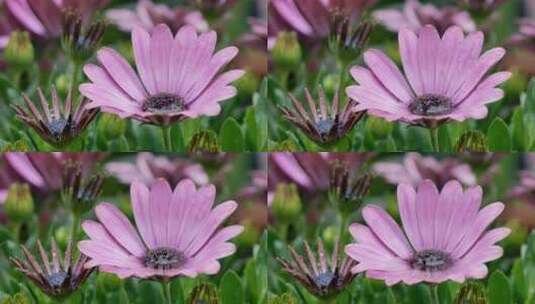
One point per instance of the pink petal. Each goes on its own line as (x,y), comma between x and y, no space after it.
(408,211)
(22,11)
(427,54)
(160,198)
(183,200)
(161,45)
(22,164)
(139,195)
(141,47)
(426,204)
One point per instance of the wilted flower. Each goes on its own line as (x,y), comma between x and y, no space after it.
(445,79)
(322,275)
(471,292)
(472,141)
(178,77)
(44,171)
(323,123)
(347,191)
(78,41)
(44,17)
(57,278)
(415,168)
(346,40)
(57,123)
(79,191)
(310,171)
(204,293)
(149,167)
(180,239)
(148,14)
(444,236)
(311,19)
(414,16)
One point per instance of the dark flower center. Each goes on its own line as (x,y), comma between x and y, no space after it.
(163,102)
(324,280)
(164,258)
(324,126)
(58,126)
(57,279)
(431,105)
(430,260)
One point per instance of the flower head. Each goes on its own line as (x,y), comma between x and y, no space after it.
(57,278)
(178,77)
(415,168)
(57,124)
(44,17)
(79,41)
(149,167)
(322,275)
(177,233)
(415,16)
(443,236)
(323,123)
(149,14)
(444,79)
(79,191)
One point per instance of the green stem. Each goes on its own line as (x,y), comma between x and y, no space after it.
(166,285)
(434,294)
(74,79)
(283,231)
(166,131)
(344,221)
(434,139)
(16,232)
(74,227)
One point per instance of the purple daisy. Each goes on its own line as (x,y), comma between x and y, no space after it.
(178,77)
(177,233)
(415,15)
(148,14)
(445,79)
(444,236)
(44,17)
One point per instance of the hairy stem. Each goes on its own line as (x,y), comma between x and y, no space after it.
(166,131)
(434,139)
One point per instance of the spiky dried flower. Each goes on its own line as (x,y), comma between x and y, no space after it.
(347,40)
(78,41)
(55,277)
(56,123)
(79,191)
(346,191)
(324,125)
(322,275)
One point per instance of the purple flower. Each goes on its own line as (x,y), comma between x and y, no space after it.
(177,233)
(526,34)
(148,14)
(178,78)
(443,236)
(415,168)
(310,18)
(415,15)
(525,190)
(148,167)
(445,79)
(44,17)
(309,171)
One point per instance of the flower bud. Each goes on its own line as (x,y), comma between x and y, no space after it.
(77,192)
(111,126)
(330,235)
(286,205)
(204,141)
(62,85)
(62,236)
(19,52)
(330,84)
(471,293)
(247,84)
(18,298)
(344,192)
(19,203)
(108,281)
(286,52)
(472,141)
(204,293)
(378,127)
(347,41)
(286,298)
(80,43)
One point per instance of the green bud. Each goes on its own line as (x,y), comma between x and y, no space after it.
(62,85)
(330,235)
(330,84)
(19,52)
(286,298)
(204,294)
(111,126)
(286,52)
(109,282)
(62,236)
(247,84)
(204,141)
(378,127)
(286,145)
(19,203)
(17,146)
(286,205)
(471,293)
(18,298)
(472,141)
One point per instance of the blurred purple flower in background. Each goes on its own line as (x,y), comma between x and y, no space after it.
(148,14)
(148,167)
(443,236)
(414,168)
(414,16)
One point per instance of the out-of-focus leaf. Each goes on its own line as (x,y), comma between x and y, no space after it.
(498,136)
(231,289)
(231,136)
(499,289)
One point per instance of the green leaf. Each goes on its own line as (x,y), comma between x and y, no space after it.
(499,289)
(498,136)
(444,293)
(231,136)
(520,288)
(231,289)
(521,136)
(444,140)
(251,130)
